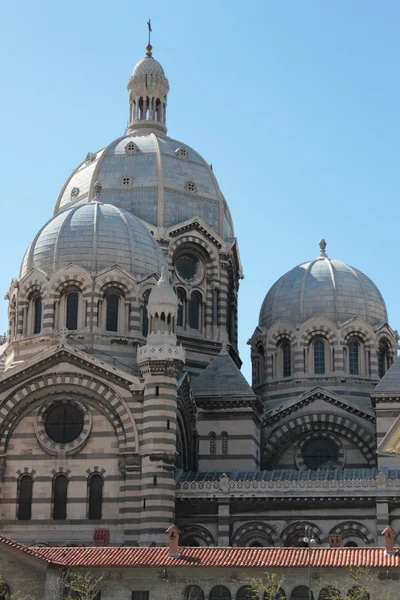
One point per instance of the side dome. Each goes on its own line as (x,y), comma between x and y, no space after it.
(95,237)
(156,178)
(325,287)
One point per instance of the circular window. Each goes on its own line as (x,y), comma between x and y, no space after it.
(64,423)
(320,453)
(186,267)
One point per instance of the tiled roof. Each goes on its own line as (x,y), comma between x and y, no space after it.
(390,382)
(222,378)
(220,557)
(289,475)
(36,552)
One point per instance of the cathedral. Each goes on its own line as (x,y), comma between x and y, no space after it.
(123,409)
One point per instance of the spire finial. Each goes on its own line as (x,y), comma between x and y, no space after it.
(149,47)
(322,246)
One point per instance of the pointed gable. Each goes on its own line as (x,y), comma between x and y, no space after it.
(390,382)
(222,378)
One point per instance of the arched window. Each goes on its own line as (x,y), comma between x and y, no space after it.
(301,592)
(351,544)
(181,307)
(5,592)
(279,594)
(145,317)
(71,321)
(329,592)
(286,359)
(37,316)
(246,593)
(383,359)
(25,486)
(220,592)
(319,357)
(358,593)
(194,310)
(320,453)
(60,487)
(212,441)
(112,312)
(95,483)
(353,358)
(224,442)
(193,592)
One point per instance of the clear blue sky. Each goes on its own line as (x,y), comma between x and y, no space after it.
(295,103)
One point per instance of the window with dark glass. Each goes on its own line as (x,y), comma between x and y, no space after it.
(245,593)
(193,592)
(25,486)
(63,423)
(194,310)
(353,358)
(71,321)
(287,359)
(181,305)
(112,313)
(37,322)
(320,453)
(140,595)
(301,592)
(186,267)
(5,592)
(95,496)
(60,488)
(319,357)
(382,360)
(145,316)
(220,592)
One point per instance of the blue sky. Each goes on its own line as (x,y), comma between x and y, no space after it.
(295,103)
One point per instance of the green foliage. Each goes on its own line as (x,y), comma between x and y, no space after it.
(80,585)
(266,587)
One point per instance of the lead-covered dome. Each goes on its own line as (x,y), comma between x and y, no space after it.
(156,178)
(325,287)
(94,236)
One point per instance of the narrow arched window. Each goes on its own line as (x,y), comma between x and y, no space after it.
(71,321)
(37,317)
(60,488)
(353,358)
(319,357)
(181,307)
(112,312)
(25,486)
(224,442)
(95,496)
(286,359)
(383,360)
(194,310)
(145,316)
(212,442)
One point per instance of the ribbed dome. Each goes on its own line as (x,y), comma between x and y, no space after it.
(148,66)
(156,178)
(95,236)
(325,287)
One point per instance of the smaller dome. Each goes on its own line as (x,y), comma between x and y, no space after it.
(162,297)
(95,237)
(148,66)
(325,287)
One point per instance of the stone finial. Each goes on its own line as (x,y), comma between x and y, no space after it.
(97,190)
(63,335)
(149,49)
(322,246)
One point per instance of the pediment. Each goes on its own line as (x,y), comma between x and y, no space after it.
(196,224)
(63,353)
(70,269)
(317,395)
(320,320)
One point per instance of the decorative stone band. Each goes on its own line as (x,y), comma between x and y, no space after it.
(160,352)
(376,487)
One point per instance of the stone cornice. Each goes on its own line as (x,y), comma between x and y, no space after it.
(223,403)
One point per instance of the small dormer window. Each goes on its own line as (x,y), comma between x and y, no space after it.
(131,148)
(90,157)
(74,193)
(190,186)
(182,152)
(126,181)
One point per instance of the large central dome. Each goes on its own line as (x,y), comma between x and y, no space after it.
(162,181)
(326,287)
